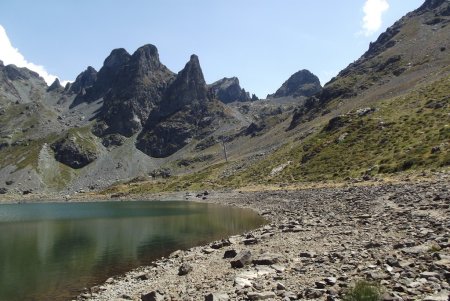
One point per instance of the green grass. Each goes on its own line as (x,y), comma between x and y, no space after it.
(399,136)
(364,291)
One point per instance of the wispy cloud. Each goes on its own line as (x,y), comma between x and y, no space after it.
(12,55)
(373,12)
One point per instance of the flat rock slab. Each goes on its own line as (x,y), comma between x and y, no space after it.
(261,296)
(217,297)
(267,259)
(442,296)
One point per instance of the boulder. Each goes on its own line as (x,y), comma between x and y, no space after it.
(242,259)
(75,151)
(184,269)
(152,296)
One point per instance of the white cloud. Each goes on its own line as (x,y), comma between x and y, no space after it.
(373,11)
(11,55)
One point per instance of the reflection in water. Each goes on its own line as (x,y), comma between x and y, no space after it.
(51,251)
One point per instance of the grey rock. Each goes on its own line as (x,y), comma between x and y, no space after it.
(242,259)
(267,259)
(184,269)
(217,297)
(261,296)
(228,90)
(75,151)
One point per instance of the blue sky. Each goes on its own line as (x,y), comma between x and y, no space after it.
(262,42)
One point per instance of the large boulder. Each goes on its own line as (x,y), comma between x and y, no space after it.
(75,151)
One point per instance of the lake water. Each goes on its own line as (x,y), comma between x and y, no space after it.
(51,251)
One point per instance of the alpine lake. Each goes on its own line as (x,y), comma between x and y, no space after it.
(50,251)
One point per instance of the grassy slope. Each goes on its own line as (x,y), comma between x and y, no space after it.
(399,135)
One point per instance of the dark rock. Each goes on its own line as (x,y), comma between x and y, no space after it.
(27,191)
(113,140)
(217,297)
(75,151)
(84,80)
(56,86)
(143,277)
(163,173)
(336,123)
(152,296)
(230,254)
(302,83)
(228,90)
(220,244)
(133,87)
(9,182)
(3,190)
(242,259)
(250,241)
(184,269)
(186,111)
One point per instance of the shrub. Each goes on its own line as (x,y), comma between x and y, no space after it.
(364,291)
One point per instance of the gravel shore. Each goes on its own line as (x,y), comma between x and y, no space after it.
(317,244)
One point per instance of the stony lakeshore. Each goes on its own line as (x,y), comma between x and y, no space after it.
(318,242)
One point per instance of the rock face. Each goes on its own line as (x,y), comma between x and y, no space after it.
(74,151)
(106,78)
(56,86)
(228,90)
(186,111)
(83,81)
(302,83)
(143,81)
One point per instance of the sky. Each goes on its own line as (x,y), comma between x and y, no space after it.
(262,42)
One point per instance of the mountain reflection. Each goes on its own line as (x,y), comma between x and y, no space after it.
(51,251)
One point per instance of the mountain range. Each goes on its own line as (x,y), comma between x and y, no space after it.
(136,121)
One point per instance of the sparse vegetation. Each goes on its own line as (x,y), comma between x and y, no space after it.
(364,291)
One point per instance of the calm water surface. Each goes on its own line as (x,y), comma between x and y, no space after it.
(51,251)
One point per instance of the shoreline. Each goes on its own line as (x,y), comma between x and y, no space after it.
(318,241)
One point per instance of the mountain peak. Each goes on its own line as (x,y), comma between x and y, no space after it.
(84,80)
(228,90)
(55,86)
(301,83)
(147,56)
(117,58)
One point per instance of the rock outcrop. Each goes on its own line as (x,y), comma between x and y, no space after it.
(106,78)
(186,111)
(75,151)
(55,86)
(301,83)
(143,81)
(228,90)
(83,81)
